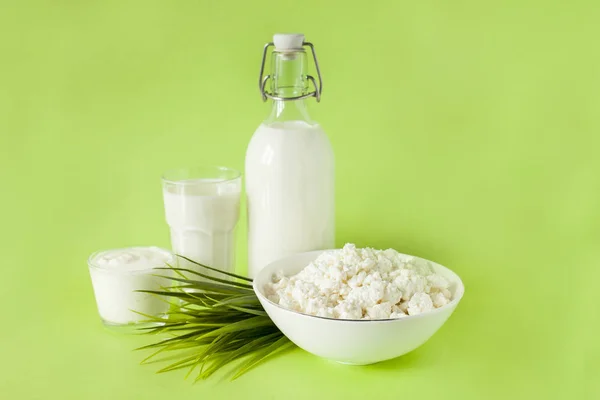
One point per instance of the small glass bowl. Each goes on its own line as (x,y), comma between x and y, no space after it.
(120,305)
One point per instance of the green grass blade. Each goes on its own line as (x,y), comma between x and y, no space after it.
(240,352)
(183,363)
(277,346)
(250,311)
(211,278)
(222,287)
(244,278)
(244,300)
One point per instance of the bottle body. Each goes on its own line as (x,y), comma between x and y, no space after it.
(290,191)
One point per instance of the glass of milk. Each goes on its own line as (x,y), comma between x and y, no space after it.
(202,208)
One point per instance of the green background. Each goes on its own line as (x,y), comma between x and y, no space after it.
(465,132)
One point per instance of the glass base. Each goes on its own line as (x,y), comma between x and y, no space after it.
(133,328)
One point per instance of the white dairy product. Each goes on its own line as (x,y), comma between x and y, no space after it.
(364,283)
(202,215)
(117,274)
(290,192)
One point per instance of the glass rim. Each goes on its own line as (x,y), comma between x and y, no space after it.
(118,271)
(166,177)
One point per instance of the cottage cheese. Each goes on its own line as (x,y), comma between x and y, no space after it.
(364,283)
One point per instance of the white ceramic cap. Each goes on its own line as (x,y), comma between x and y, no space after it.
(288,41)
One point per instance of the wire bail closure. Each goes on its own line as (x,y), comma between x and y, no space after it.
(262,81)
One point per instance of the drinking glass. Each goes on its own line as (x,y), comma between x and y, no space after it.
(202,208)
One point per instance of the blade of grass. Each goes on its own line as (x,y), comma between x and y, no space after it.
(246,300)
(277,346)
(212,278)
(222,286)
(244,278)
(219,343)
(241,352)
(250,311)
(197,334)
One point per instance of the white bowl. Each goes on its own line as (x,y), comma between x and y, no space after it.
(348,341)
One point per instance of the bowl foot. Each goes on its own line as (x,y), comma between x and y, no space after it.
(353,363)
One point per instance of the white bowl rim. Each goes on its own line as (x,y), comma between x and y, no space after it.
(460,290)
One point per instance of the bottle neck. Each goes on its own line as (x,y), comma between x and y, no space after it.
(288,79)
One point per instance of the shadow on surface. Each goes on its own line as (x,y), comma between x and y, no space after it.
(411,360)
(408,361)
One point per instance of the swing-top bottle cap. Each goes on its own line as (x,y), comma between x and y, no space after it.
(288,41)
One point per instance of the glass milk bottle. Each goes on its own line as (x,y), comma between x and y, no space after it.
(289,162)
